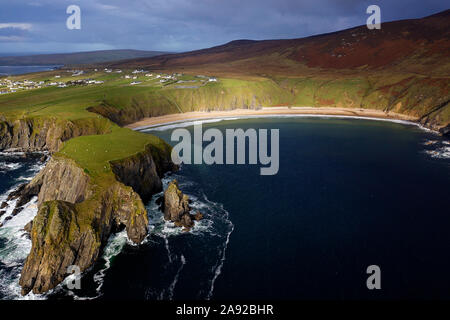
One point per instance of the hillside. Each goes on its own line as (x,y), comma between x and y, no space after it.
(76,58)
(404,68)
(416,45)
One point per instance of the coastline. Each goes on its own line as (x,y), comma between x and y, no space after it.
(269,111)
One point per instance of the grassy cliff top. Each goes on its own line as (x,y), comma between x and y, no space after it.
(72,102)
(95,152)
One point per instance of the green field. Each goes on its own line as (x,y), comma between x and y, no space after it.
(124,103)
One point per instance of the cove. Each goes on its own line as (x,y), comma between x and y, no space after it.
(349,194)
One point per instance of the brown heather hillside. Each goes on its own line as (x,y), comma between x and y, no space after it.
(404,67)
(416,45)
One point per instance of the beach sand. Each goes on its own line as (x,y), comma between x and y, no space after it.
(180,117)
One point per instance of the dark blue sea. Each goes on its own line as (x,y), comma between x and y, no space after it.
(349,193)
(16,70)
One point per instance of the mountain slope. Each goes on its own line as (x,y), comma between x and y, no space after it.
(415,45)
(404,67)
(77,57)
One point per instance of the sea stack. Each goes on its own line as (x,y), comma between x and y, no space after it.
(176,207)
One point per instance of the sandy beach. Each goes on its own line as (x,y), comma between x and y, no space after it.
(179,117)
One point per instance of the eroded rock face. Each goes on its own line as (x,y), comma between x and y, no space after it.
(445,131)
(176,207)
(142,165)
(76,215)
(176,204)
(58,242)
(37,134)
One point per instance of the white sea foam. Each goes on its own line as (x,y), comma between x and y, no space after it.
(9,166)
(170,290)
(440,153)
(218,268)
(214,230)
(114,246)
(16,243)
(166,244)
(181,124)
(12,153)
(14,251)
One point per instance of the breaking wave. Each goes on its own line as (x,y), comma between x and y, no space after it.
(210,236)
(15,243)
(439,149)
(9,166)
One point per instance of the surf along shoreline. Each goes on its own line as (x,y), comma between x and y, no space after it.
(371,114)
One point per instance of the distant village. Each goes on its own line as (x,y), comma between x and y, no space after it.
(8,85)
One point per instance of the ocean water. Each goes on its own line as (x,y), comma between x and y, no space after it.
(349,193)
(15,70)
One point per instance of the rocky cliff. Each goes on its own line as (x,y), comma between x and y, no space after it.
(78,212)
(176,207)
(37,134)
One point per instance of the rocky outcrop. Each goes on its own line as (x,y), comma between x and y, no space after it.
(37,134)
(58,242)
(445,131)
(77,214)
(143,164)
(176,207)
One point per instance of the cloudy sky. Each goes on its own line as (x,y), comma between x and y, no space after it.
(32,26)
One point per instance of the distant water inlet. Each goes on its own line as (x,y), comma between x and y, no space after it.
(15,70)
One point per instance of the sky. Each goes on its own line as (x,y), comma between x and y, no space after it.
(39,26)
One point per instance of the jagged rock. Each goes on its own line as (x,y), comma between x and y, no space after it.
(186,221)
(143,165)
(198,216)
(59,239)
(37,134)
(24,193)
(176,204)
(43,158)
(28,227)
(16,211)
(2,212)
(61,179)
(17,192)
(76,215)
(445,131)
(3,205)
(7,218)
(176,207)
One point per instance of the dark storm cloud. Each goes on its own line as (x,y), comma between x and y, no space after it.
(179,25)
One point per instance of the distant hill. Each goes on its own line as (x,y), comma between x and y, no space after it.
(90,57)
(415,45)
(404,67)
